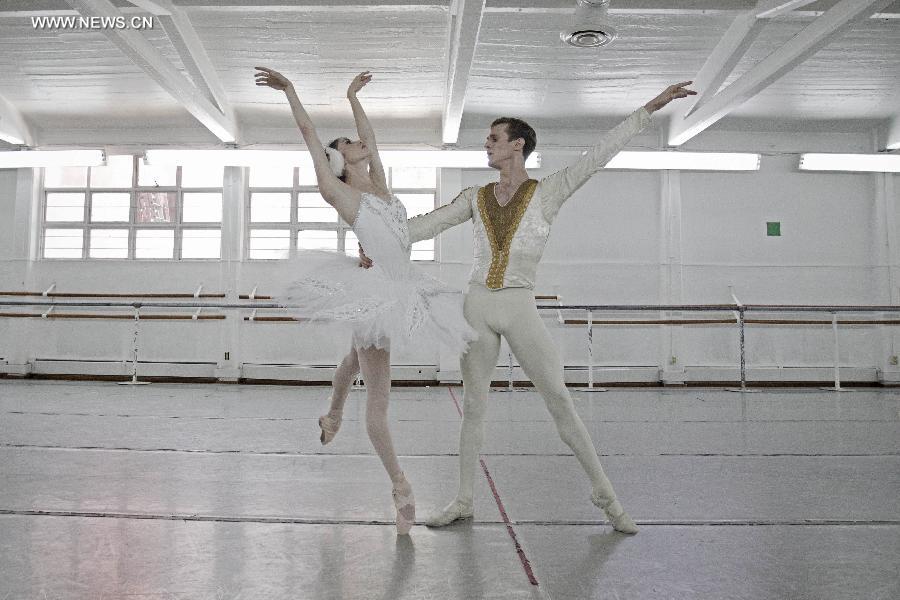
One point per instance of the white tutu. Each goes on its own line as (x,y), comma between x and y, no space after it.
(390,305)
(382,307)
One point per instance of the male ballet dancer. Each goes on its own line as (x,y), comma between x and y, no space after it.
(512,221)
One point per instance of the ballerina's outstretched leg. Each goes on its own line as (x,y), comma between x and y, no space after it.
(344,376)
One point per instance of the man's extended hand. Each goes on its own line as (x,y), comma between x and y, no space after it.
(364,261)
(678,90)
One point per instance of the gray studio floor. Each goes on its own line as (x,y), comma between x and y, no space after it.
(223,492)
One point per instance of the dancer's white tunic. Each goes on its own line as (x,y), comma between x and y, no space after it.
(516,265)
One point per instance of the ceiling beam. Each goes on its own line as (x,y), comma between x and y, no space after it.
(13,128)
(724,57)
(769,9)
(734,44)
(136,47)
(43,7)
(464,27)
(810,39)
(626,5)
(157,8)
(181,33)
(700,8)
(294,5)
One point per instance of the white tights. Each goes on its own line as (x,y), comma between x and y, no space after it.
(375,365)
(511,312)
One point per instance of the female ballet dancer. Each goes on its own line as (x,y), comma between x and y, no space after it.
(389,305)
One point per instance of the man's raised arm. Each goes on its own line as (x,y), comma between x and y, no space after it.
(560,186)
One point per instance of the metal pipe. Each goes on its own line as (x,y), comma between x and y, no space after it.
(584,307)
(590,342)
(837,353)
(743,355)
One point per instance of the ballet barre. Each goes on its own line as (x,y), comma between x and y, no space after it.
(51,306)
(740,311)
(50,313)
(136,306)
(112,295)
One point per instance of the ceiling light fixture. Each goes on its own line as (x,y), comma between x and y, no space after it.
(450,159)
(590,27)
(869,163)
(685,161)
(23,159)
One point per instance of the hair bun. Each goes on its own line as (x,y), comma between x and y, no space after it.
(336,160)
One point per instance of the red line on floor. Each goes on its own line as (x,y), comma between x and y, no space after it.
(526,564)
(455,402)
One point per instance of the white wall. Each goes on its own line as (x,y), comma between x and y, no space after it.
(625,237)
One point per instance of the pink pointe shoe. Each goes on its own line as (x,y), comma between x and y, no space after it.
(405,503)
(329,425)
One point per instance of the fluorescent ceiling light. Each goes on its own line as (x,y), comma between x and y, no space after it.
(459,159)
(11,139)
(450,159)
(231,158)
(877,163)
(685,161)
(51,158)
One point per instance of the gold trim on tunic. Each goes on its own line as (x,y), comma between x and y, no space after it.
(501,223)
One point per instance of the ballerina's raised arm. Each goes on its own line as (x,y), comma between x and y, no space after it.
(366,133)
(338,194)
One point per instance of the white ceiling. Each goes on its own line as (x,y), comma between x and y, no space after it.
(79,87)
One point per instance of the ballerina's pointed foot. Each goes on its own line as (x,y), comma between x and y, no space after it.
(329,424)
(457,510)
(617,516)
(405,503)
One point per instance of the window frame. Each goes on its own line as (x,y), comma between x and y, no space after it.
(295,225)
(87,225)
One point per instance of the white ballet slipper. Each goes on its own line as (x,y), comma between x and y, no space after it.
(617,516)
(455,511)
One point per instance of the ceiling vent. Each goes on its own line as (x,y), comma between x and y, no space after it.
(590,27)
